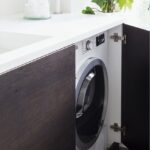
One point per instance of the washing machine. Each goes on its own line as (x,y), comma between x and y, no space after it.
(91,93)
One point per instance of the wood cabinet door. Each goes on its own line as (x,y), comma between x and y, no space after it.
(135,88)
(37,104)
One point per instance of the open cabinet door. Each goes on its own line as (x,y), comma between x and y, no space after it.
(135,88)
(114,77)
(128,74)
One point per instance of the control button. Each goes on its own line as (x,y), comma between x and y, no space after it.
(89,45)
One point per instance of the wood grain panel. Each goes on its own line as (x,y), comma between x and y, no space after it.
(37,104)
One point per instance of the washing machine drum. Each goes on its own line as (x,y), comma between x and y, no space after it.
(91,102)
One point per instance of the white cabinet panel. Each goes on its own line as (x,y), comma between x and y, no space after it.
(114,76)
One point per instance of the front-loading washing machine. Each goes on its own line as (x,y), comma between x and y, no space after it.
(91,93)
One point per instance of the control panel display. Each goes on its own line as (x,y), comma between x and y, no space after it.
(100,39)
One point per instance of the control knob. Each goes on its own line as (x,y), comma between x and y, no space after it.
(89,45)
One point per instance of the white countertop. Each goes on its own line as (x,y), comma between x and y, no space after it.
(61,30)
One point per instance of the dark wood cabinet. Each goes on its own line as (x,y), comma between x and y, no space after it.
(37,104)
(135,88)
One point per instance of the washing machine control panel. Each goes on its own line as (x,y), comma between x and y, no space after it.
(91,44)
(100,39)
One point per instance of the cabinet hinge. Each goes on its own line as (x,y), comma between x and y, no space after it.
(117,38)
(117,128)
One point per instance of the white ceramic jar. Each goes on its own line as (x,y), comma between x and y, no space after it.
(37,9)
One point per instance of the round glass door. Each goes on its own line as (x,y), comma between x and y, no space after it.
(91,106)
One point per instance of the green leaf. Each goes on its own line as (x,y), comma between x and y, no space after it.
(88,10)
(125,3)
(109,5)
(105,5)
(100,3)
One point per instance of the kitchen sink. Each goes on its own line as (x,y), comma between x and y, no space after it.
(10,41)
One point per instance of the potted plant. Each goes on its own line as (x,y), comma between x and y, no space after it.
(108,6)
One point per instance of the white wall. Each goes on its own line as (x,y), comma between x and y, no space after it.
(8,7)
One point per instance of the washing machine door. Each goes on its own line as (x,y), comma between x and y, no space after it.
(91,102)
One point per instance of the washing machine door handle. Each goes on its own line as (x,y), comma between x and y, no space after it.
(83,102)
